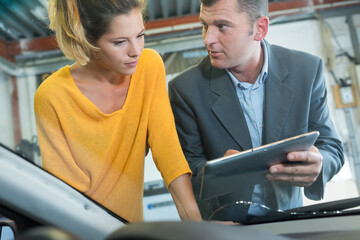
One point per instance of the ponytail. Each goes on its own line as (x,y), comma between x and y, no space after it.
(70,35)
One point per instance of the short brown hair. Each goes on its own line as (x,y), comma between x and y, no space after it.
(254,8)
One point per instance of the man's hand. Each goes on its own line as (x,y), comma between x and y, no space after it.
(303,170)
(230,152)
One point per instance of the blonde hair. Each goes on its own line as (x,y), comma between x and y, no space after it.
(78,24)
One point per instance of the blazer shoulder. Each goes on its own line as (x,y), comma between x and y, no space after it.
(292,55)
(193,75)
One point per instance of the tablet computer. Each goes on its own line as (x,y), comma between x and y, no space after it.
(247,168)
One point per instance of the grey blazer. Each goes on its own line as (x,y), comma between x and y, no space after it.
(209,118)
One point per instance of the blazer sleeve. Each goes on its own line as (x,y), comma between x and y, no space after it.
(328,142)
(189,135)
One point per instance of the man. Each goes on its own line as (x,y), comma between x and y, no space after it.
(248,93)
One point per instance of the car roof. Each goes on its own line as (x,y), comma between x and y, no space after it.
(34,192)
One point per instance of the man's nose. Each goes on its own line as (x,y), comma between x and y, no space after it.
(209,36)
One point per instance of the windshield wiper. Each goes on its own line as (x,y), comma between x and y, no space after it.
(317,210)
(333,206)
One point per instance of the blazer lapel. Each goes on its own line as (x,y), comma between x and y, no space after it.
(228,110)
(278,99)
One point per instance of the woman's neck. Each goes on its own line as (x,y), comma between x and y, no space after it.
(93,72)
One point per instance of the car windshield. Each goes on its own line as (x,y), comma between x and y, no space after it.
(27,61)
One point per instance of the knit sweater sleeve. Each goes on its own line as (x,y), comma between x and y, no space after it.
(55,153)
(162,135)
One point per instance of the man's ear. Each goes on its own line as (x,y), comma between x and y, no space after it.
(262,27)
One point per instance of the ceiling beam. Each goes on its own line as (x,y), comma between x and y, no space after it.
(9,50)
(165,8)
(179,8)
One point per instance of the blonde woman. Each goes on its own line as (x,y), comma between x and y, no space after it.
(96,118)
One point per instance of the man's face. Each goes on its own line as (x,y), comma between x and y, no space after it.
(228,35)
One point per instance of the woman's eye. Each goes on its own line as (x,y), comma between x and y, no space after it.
(117,43)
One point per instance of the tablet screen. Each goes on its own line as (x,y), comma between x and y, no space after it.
(248,167)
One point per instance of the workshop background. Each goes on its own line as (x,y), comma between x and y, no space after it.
(326,28)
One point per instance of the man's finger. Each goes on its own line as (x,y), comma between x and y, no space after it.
(230,152)
(296,169)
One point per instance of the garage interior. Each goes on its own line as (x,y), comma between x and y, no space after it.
(328,28)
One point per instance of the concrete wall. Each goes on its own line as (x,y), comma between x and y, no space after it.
(6,120)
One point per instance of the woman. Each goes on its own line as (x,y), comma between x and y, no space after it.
(96,118)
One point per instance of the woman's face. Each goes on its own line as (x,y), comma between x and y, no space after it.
(121,47)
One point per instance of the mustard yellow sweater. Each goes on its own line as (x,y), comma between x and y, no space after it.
(102,155)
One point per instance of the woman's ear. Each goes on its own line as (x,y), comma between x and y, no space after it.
(261,26)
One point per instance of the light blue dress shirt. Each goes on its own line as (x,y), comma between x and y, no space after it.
(251,98)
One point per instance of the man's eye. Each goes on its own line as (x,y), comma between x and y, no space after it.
(204,25)
(141,35)
(222,27)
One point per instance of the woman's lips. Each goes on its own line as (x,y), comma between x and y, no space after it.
(132,64)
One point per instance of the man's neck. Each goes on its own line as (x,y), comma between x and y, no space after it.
(250,72)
